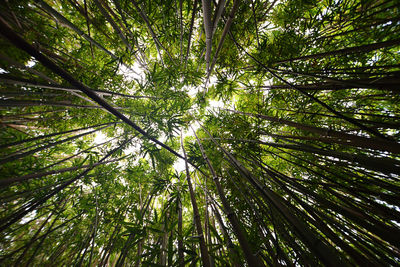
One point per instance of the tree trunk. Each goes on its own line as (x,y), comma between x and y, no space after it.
(251,259)
(180,235)
(190,31)
(53,134)
(349,50)
(24,178)
(6,222)
(68,24)
(372,143)
(203,249)
(208,28)
(30,152)
(223,35)
(22,44)
(326,253)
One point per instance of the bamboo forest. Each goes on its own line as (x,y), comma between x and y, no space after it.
(199,133)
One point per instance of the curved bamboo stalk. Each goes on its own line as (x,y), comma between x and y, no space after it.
(251,259)
(4,78)
(68,24)
(208,28)
(30,152)
(113,24)
(360,141)
(325,252)
(203,248)
(190,32)
(313,98)
(356,49)
(54,134)
(23,45)
(10,181)
(223,35)
(150,28)
(13,218)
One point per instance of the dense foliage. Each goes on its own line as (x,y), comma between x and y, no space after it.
(200,133)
